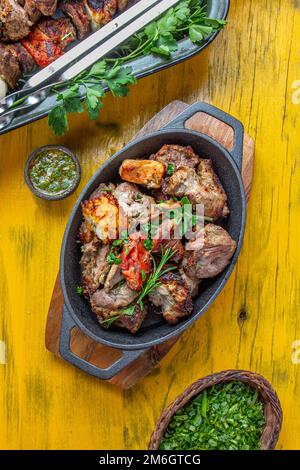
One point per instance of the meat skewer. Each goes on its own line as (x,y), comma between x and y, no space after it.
(49,38)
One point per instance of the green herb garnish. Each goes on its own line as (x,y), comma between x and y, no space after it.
(224,417)
(112,258)
(79,290)
(148,244)
(161,37)
(170,169)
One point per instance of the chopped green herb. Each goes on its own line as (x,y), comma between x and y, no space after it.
(112,258)
(119,242)
(170,169)
(227,416)
(148,244)
(79,290)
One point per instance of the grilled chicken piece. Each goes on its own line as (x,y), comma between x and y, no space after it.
(84,234)
(76,10)
(134,206)
(208,255)
(94,265)
(25,60)
(9,67)
(14,21)
(206,191)
(147,173)
(173,296)
(177,156)
(101,216)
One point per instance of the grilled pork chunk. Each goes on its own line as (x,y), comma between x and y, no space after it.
(173,296)
(100,12)
(9,66)
(76,11)
(14,21)
(134,206)
(177,156)
(209,254)
(94,265)
(25,60)
(202,187)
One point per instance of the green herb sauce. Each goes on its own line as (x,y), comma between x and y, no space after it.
(53,172)
(224,417)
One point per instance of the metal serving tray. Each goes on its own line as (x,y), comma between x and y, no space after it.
(141,67)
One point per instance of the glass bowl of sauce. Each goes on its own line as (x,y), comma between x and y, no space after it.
(52,172)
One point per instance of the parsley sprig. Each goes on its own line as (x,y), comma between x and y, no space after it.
(87,90)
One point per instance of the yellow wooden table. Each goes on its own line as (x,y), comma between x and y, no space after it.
(249,71)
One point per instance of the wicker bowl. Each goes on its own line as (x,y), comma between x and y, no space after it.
(272,408)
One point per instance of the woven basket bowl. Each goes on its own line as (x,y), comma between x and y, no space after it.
(272,408)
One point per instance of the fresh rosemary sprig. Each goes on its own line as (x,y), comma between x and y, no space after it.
(160,37)
(152,283)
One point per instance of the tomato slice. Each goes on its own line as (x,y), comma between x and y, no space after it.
(136,262)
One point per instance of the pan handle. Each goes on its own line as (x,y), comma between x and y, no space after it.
(237,126)
(64,348)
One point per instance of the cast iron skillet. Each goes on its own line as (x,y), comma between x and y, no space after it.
(155,330)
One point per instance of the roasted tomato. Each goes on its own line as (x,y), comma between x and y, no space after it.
(136,262)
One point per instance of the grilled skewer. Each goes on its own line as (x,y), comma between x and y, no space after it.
(48,39)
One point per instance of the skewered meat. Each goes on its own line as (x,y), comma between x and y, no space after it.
(34,14)
(25,60)
(208,255)
(9,66)
(100,12)
(148,173)
(14,21)
(46,7)
(202,188)
(101,216)
(76,10)
(94,265)
(173,296)
(177,156)
(47,41)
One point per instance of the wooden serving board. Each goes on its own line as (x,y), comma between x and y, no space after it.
(101,355)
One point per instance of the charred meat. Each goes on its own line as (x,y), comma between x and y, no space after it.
(176,157)
(144,172)
(14,21)
(209,254)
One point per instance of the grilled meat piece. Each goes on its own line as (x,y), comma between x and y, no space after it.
(208,255)
(76,10)
(173,296)
(14,21)
(9,66)
(32,11)
(211,184)
(94,265)
(85,235)
(101,216)
(114,277)
(134,206)
(199,190)
(144,172)
(116,299)
(100,12)
(60,31)
(191,282)
(133,322)
(25,60)
(122,4)
(176,155)
(46,7)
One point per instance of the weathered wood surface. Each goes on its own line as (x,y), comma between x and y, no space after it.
(99,354)
(46,403)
